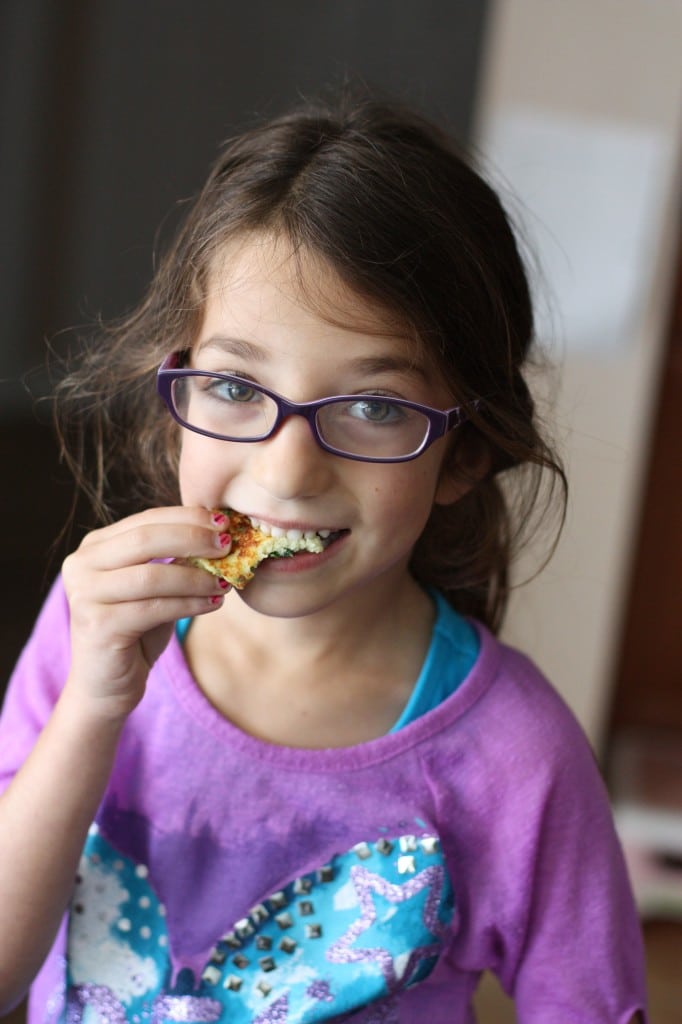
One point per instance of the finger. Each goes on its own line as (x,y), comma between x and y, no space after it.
(116,624)
(147,581)
(143,542)
(211,519)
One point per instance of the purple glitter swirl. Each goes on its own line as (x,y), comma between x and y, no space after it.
(186,1008)
(321,991)
(277,1013)
(366,883)
(102,1000)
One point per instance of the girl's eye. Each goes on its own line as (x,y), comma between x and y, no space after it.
(376,411)
(233,391)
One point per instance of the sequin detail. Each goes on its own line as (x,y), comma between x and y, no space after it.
(367,886)
(334,943)
(278,1013)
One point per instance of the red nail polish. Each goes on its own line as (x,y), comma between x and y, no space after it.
(224,539)
(223,584)
(218,519)
(215,601)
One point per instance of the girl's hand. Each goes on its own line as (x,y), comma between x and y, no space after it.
(124,602)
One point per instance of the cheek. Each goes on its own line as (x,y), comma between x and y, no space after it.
(187,476)
(203,470)
(405,496)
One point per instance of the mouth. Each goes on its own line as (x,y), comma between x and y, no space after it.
(325,535)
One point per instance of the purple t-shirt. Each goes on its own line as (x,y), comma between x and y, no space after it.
(228,879)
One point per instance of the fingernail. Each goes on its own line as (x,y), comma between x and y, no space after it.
(218,519)
(223,540)
(215,601)
(223,584)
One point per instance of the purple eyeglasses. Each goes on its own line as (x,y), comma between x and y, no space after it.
(368,428)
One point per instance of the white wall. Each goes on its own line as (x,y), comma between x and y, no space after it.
(615,63)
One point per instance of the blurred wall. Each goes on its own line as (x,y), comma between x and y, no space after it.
(614,63)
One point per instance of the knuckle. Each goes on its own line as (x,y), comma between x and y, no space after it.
(145,577)
(199,539)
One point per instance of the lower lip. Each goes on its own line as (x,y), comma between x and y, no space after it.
(302,561)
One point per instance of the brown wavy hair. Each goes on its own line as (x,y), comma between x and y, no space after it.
(388,201)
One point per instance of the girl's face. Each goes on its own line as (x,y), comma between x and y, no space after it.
(258,325)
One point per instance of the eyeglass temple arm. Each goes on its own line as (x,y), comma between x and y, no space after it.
(460,414)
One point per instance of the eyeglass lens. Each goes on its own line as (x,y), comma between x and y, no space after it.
(236,410)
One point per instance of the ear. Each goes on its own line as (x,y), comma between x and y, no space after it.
(462,469)
(452,486)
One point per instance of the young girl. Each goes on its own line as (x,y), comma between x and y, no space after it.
(334,794)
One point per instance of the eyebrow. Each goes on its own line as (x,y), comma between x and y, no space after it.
(376,365)
(363,365)
(235,347)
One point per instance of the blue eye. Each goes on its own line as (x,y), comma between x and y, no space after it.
(376,410)
(233,390)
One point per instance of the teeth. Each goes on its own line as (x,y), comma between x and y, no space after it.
(293,534)
(258,524)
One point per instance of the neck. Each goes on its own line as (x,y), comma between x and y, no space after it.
(347,670)
(378,614)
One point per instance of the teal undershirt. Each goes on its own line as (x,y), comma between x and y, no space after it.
(440,675)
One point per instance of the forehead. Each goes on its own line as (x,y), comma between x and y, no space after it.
(261,281)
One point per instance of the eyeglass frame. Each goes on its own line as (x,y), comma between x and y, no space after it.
(441,421)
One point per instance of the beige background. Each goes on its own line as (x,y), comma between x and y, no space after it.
(615,61)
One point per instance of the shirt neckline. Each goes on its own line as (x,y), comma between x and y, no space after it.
(172,664)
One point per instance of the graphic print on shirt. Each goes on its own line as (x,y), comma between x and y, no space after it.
(355,932)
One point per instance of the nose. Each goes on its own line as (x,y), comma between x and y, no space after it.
(290,464)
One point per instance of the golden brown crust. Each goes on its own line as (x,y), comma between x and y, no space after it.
(250,546)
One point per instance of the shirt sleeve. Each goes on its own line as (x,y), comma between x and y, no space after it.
(581,957)
(545,903)
(35,684)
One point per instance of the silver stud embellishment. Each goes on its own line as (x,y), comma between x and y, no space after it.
(211,976)
(244,928)
(406,865)
(259,914)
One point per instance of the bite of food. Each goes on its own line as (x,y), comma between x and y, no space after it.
(253,541)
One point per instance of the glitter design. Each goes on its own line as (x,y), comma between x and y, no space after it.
(102,1000)
(277,1013)
(329,946)
(186,1008)
(321,991)
(366,884)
